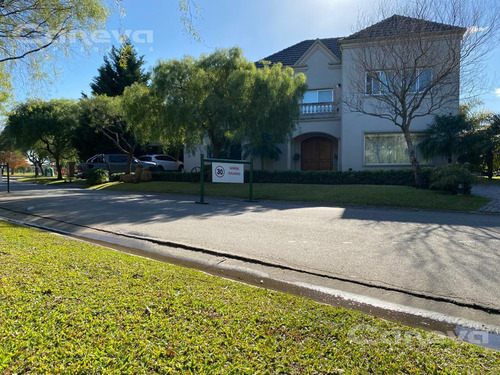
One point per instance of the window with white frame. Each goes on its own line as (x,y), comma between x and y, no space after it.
(318,96)
(421,80)
(381,82)
(389,148)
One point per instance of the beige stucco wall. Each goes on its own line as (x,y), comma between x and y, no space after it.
(355,125)
(322,69)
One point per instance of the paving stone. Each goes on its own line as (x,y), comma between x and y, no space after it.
(491,191)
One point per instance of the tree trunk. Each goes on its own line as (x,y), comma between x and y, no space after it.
(128,169)
(489,165)
(59,169)
(40,166)
(413,158)
(217,149)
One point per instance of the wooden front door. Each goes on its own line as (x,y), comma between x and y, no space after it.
(317,154)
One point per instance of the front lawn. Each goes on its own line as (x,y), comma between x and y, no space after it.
(42,180)
(71,307)
(369,195)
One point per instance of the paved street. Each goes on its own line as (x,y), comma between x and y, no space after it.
(442,256)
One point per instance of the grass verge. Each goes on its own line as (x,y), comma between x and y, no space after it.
(369,195)
(72,307)
(49,180)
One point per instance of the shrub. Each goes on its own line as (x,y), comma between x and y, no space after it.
(377,177)
(115,177)
(97,176)
(176,176)
(448,176)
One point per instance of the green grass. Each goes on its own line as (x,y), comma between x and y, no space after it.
(370,195)
(48,180)
(75,308)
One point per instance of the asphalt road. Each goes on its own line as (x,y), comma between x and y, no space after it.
(438,255)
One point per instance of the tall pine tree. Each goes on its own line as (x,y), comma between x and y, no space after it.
(121,68)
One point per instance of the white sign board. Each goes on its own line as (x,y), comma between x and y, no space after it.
(227,172)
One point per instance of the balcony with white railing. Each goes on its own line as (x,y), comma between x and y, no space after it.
(319,110)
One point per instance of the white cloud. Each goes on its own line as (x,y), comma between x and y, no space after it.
(497,92)
(475,29)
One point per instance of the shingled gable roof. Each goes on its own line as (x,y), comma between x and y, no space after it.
(401,25)
(289,56)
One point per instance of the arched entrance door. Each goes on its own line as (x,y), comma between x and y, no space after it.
(317,154)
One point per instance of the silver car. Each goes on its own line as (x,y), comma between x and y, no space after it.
(114,163)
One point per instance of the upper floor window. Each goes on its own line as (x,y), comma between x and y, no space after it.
(382,82)
(318,96)
(377,82)
(421,80)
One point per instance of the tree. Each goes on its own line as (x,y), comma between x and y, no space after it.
(444,136)
(264,149)
(406,67)
(221,97)
(15,159)
(482,147)
(46,125)
(105,114)
(37,156)
(36,32)
(121,68)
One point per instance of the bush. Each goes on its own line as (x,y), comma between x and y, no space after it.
(115,177)
(378,177)
(448,176)
(176,176)
(97,176)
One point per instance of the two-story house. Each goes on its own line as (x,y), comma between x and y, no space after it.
(400,69)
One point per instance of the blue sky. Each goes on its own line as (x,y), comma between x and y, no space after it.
(259,27)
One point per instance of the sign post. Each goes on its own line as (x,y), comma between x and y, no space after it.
(225,171)
(8,175)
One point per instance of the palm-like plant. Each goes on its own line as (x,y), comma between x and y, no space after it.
(264,148)
(482,147)
(444,136)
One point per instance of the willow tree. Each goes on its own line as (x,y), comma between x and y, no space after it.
(221,97)
(35,33)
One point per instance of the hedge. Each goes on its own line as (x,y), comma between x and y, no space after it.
(376,177)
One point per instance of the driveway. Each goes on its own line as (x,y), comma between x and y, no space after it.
(488,190)
(418,258)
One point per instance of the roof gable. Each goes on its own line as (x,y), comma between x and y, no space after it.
(401,25)
(291,55)
(318,45)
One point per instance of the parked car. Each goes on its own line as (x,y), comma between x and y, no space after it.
(114,163)
(164,162)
